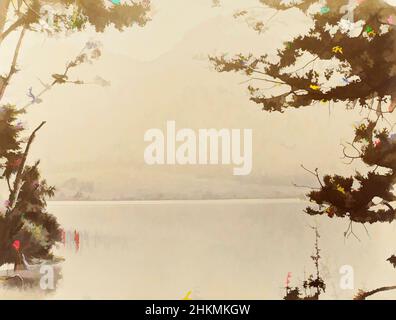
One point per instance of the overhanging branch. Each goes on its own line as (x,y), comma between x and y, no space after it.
(362,295)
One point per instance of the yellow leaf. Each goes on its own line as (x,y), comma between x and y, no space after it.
(187,297)
(341,189)
(338,49)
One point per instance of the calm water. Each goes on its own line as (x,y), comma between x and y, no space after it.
(217,249)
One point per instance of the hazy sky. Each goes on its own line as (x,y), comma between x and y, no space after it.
(159,73)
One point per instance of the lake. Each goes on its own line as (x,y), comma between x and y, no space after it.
(226,249)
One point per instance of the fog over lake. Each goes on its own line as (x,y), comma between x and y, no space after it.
(236,249)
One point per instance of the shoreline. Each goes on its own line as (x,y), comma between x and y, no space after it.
(201,201)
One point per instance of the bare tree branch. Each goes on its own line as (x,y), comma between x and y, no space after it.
(11,28)
(316,174)
(362,295)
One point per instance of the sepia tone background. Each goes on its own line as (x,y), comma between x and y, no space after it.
(92,148)
(93,143)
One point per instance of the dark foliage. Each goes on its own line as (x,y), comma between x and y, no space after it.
(23,216)
(357,42)
(392,260)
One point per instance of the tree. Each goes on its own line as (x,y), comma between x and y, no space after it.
(356,39)
(314,285)
(25,225)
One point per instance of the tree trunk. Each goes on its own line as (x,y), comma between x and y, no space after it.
(19,265)
(18,178)
(4,4)
(13,69)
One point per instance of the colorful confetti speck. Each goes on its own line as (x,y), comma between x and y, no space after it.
(324,10)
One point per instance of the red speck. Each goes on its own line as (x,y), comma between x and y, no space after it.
(77,239)
(288,279)
(16,163)
(16,244)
